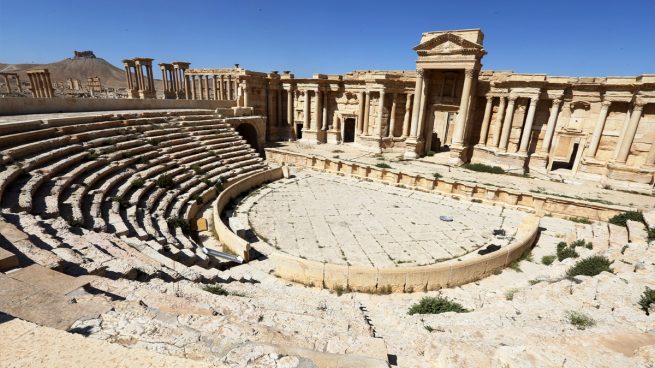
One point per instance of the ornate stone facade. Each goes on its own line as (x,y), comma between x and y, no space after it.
(559,126)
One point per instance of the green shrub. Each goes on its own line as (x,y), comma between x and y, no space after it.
(580,220)
(526,256)
(216,290)
(564,251)
(197,169)
(622,218)
(382,165)
(509,294)
(122,202)
(165,181)
(581,243)
(484,168)
(647,298)
(180,223)
(437,175)
(651,234)
(590,266)
(548,260)
(197,198)
(430,153)
(138,182)
(218,186)
(91,156)
(580,320)
(75,222)
(436,305)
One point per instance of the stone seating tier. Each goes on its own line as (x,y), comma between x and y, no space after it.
(60,179)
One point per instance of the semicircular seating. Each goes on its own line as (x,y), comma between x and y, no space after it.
(113,194)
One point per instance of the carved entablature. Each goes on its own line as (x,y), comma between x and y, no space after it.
(450,50)
(449,44)
(579,112)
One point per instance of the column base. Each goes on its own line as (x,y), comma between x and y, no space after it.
(333,137)
(147,94)
(512,162)
(169,95)
(623,172)
(458,155)
(413,148)
(133,93)
(309,137)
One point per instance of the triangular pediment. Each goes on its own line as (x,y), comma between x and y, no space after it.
(448,43)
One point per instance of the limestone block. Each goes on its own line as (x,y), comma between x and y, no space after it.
(618,236)
(466,271)
(286,172)
(601,237)
(649,217)
(394,278)
(363,279)
(237,227)
(298,270)
(637,232)
(201,224)
(438,275)
(335,276)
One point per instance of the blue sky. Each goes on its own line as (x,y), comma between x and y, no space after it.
(577,38)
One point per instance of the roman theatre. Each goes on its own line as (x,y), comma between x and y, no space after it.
(225,217)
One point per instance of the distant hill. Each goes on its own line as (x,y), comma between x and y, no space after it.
(79,68)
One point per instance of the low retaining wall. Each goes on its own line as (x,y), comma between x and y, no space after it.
(405,279)
(230,240)
(532,202)
(29,105)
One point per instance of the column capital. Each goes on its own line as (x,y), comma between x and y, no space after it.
(469,73)
(420,72)
(639,105)
(557,101)
(534,101)
(512,98)
(489,97)
(606,103)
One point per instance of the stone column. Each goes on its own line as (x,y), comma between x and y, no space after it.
(408,106)
(270,106)
(324,105)
(290,106)
(630,132)
(39,85)
(48,85)
(421,111)
(367,107)
(360,113)
(598,129)
(307,112)
(650,159)
(380,117)
(527,130)
(215,84)
(498,125)
(192,79)
(221,89)
(151,79)
(418,94)
(550,126)
(32,85)
(128,77)
(318,110)
(484,130)
(20,88)
(392,118)
(246,95)
(278,106)
(229,88)
(462,114)
(187,87)
(507,124)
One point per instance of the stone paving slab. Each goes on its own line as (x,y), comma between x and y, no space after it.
(343,220)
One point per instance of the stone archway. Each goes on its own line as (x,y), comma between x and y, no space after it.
(249,133)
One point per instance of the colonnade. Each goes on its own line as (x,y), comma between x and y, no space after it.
(385,126)
(174,80)
(40,83)
(140,81)
(505,113)
(213,87)
(16,78)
